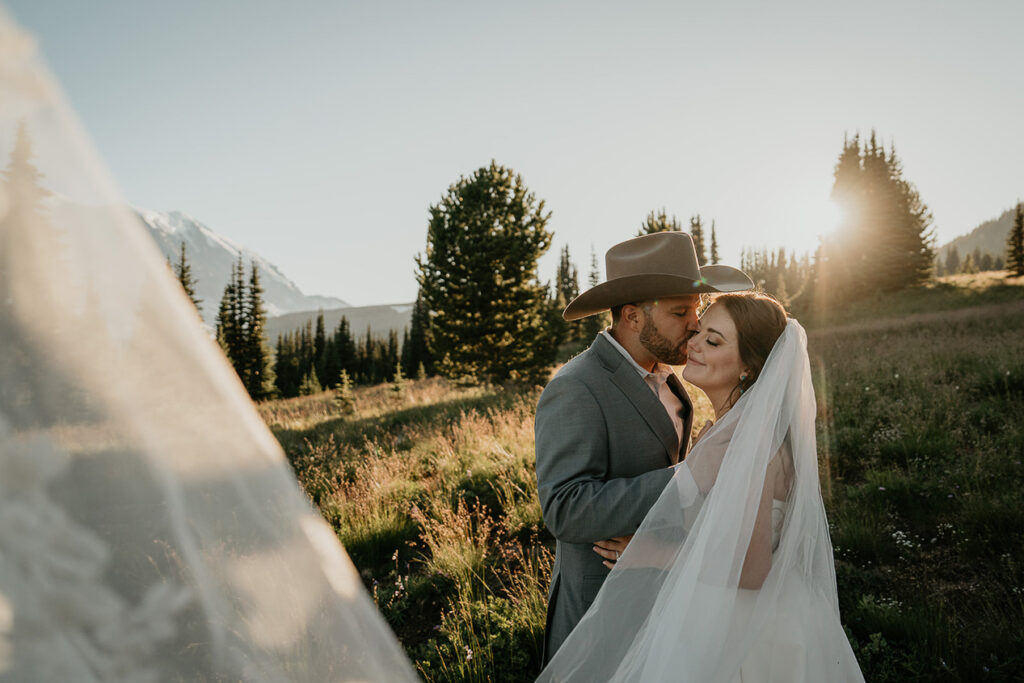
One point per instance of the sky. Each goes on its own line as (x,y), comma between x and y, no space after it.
(319,133)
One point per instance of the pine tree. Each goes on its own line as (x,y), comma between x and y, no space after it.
(478,279)
(952,261)
(287,376)
(398,383)
(659,222)
(1015,243)
(714,244)
(258,364)
(697,233)
(567,287)
(593,324)
(416,351)
(183,271)
(885,241)
(344,397)
(985,262)
(310,384)
(969,267)
(230,328)
(320,346)
(346,348)
(391,355)
(26,231)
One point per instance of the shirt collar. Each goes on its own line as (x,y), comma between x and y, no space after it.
(661,371)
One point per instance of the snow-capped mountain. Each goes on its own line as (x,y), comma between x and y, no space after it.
(211,256)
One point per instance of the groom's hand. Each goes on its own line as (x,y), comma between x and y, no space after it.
(611,549)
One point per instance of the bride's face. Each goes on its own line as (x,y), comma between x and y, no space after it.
(714,363)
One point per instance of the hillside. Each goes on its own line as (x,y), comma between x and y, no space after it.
(990,237)
(431,488)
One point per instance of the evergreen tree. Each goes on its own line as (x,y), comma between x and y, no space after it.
(478,278)
(952,261)
(1015,243)
(697,233)
(230,327)
(398,384)
(593,324)
(714,244)
(310,384)
(659,222)
(567,288)
(567,278)
(969,267)
(885,240)
(416,351)
(344,397)
(27,232)
(391,355)
(346,348)
(259,371)
(320,346)
(287,376)
(305,349)
(183,271)
(985,262)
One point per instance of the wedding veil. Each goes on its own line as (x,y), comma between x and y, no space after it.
(672,608)
(150,527)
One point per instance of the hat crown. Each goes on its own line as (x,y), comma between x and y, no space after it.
(663,253)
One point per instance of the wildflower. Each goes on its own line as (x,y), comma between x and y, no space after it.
(881,488)
(896,376)
(469,653)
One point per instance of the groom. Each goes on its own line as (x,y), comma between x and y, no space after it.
(615,418)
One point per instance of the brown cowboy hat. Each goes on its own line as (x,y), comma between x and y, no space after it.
(651,266)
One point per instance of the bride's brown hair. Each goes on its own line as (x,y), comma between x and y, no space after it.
(760,321)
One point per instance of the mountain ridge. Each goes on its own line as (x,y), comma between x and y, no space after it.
(211,256)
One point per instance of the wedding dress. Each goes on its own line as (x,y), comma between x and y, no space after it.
(150,527)
(672,609)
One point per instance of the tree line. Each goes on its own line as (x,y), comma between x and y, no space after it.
(309,360)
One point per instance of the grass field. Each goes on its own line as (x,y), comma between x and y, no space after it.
(921,440)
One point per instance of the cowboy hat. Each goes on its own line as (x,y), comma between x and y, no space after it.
(650,266)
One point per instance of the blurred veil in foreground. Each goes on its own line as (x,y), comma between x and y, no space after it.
(150,527)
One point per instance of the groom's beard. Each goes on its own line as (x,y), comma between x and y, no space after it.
(660,347)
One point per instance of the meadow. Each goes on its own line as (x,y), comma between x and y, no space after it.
(431,489)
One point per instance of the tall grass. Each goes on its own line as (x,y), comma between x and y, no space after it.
(921,442)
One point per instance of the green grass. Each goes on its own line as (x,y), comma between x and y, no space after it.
(921,443)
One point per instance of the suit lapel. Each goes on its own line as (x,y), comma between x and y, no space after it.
(647,404)
(677,387)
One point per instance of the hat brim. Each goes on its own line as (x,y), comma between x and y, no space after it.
(633,288)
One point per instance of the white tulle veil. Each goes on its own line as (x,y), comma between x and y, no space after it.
(672,609)
(150,528)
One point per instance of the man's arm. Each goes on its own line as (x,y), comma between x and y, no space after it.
(579,506)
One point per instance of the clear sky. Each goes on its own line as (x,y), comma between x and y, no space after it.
(318,133)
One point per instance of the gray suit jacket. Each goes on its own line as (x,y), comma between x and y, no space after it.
(604,446)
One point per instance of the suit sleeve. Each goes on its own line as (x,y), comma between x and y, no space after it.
(580,504)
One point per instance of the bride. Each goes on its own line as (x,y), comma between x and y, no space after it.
(730,577)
